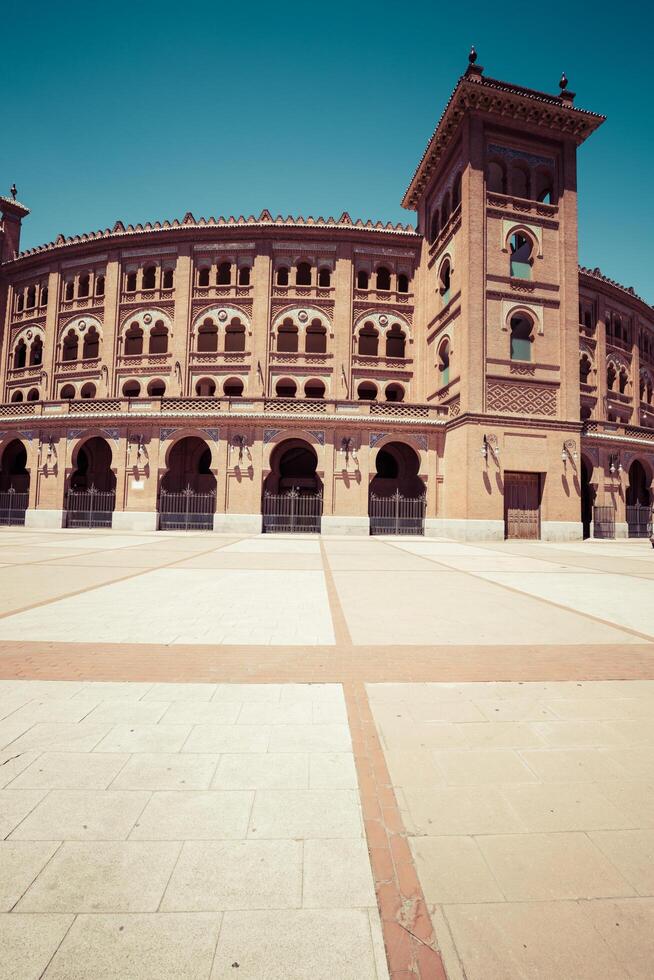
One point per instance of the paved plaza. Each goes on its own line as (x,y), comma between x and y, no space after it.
(303,758)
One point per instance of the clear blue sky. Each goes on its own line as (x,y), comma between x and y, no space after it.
(146,110)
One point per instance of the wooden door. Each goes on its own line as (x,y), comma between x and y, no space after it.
(522,505)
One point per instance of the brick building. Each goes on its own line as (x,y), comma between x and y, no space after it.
(463,377)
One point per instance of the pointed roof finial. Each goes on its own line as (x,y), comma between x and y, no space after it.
(472,57)
(473,71)
(563,81)
(13,190)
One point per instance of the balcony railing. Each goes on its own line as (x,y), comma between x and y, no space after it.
(598,427)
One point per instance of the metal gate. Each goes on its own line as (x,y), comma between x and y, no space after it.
(522,505)
(397,514)
(90,508)
(292,512)
(13,505)
(186,510)
(603,522)
(639,520)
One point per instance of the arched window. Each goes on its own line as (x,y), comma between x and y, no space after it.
(20,302)
(130,282)
(394,393)
(44,296)
(69,290)
(36,351)
(611,376)
(543,184)
(68,392)
(402,283)
(20,354)
(456,192)
(286,388)
(282,275)
(303,274)
(235,336)
(363,279)
(168,279)
(206,387)
(367,391)
(70,346)
(244,275)
(314,389)
(435,224)
(445,281)
(495,177)
(287,338)
(88,390)
(521,328)
(324,277)
(445,209)
(33,395)
(149,277)
(585,368)
(623,381)
(208,337)
(99,286)
(17,396)
(383,278)
(224,275)
(395,341)
(83,285)
(91,344)
(444,364)
(521,260)
(316,338)
(131,389)
(134,340)
(31,297)
(233,388)
(157,388)
(158,342)
(203,277)
(519,181)
(368,340)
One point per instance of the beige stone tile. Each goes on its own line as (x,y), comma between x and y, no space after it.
(228,738)
(413,767)
(454,711)
(9,703)
(166,771)
(627,926)
(444,810)
(159,947)
(565,806)
(236,875)
(573,765)
(637,732)
(15,804)
(61,737)
(243,693)
(103,876)
(47,689)
(310,738)
(82,815)
(46,710)
(632,853)
(27,943)
(20,863)
(291,693)
(479,767)
(501,734)
(201,713)
(144,738)
(211,815)
(637,761)
(180,692)
(540,867)
(11,730)
(297,944)
(102,691)
(71,770)
(264,770)
(127,712)
(329,711)
(452,870)
(332,770)
(314,813)
(265,713)
(378,948)
(570,734)
(634,798)
(13,763)
(530,941)
(601,709)
(337,875)
(515,709)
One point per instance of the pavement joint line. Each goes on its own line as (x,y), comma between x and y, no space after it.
(100,585)
(339,622)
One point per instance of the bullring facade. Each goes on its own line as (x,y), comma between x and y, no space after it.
(463,377)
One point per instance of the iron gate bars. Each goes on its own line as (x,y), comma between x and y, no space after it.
(90,508)
(603,522)
(639,520)
(292,512)
(13,505)
(397,514)
(186,510)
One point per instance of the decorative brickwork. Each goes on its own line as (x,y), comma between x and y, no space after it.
(520,399)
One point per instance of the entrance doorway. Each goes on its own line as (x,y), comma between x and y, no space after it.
(187,496)
(292,495)
(522,492)
(14,484)
(639,503)
(587,497)
(91,496)
(396,500)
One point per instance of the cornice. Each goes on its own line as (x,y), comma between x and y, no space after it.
(592,278)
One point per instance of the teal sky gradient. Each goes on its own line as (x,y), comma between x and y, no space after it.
(142,111)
